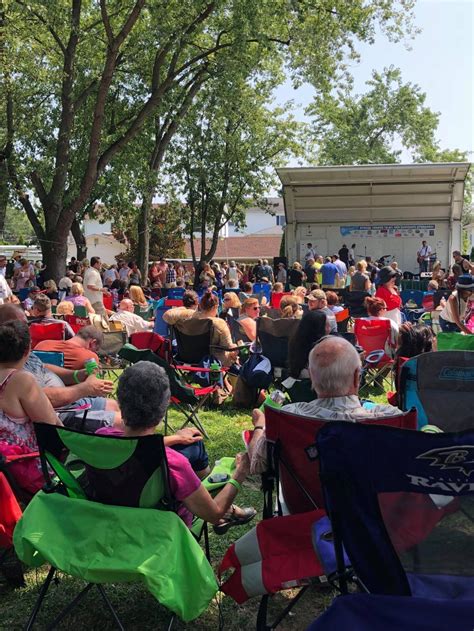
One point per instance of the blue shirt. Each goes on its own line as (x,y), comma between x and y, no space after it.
(328,273)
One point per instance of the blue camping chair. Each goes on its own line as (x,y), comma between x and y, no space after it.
(414,295)
(160,326)
(263,289)
(176,293)
(400,504)
(50,357)
(440,386)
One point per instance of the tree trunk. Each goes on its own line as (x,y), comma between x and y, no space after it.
(143,246)
(80,240)
(3,191)
(54,249)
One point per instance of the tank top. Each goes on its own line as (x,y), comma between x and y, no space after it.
(447,312)
(16,431)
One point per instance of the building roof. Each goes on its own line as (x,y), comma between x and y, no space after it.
(243,248)
(367,193)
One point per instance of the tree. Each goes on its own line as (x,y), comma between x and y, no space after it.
(224,158)
(80,96)
(376,126)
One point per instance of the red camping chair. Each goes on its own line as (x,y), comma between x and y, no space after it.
(50,331)
(10,514)
(276,297)
(160,345)
(293,469)
(342,319)
(76,322)
(374,337)
(108,301)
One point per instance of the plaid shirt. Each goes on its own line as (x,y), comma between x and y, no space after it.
(170,275)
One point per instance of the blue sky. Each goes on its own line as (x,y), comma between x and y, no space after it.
(441,62)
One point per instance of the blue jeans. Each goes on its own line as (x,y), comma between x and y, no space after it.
(448,327)
(195,453)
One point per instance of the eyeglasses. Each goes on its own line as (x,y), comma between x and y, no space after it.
(255,308)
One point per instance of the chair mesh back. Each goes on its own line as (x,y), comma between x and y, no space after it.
(107,469)
(372,335)
(402,504)
(193,338)
(273,336)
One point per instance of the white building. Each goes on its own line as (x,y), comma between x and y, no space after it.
(382,209)
(100,241)
(260,221)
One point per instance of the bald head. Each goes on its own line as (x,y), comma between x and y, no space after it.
(334,366)
(9,311)
(126,305)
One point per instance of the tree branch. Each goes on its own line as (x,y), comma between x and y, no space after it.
(106,21)
(43,21)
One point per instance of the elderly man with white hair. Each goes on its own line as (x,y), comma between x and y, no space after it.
(334,368)
(133,323)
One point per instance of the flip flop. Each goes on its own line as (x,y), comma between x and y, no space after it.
(232,520)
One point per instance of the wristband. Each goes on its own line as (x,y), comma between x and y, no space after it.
(235,484)
(259,427)
(75,376)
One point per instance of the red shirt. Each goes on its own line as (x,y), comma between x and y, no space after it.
(393,301)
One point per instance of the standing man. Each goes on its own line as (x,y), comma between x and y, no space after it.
(281,274)
(352,254)
(344,255)
(329,274)
(423,256)
(341,269)
(310,252)
(93,287)
(3,266)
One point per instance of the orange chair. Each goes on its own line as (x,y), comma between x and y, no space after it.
(342,319)
(50,331)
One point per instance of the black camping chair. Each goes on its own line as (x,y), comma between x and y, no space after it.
(273,336)
(354,301)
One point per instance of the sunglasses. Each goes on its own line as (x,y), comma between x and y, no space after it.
(255,308)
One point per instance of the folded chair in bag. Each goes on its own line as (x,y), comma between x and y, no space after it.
(273,336)
(401,504)
(113,501)
(187,398)
(440,386)
(293,471)
(374,337)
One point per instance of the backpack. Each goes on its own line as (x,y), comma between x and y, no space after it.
(257,371)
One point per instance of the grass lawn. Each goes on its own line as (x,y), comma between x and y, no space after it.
(136,607)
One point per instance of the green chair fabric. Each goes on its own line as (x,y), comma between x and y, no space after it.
(80,311)
(116,544)
(455,342)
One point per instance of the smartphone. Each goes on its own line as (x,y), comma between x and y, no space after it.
(216,478)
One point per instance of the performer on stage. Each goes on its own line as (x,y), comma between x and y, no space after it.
(423,256)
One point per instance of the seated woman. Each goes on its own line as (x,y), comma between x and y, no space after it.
(312,328)
(333,302)
(65,307)
(248,316)
(208,308)
(290,307)
(137,296)
(144,394)
(230,305)
(21,401)
(78,299)
(377,309)
(51,291)
(300,294)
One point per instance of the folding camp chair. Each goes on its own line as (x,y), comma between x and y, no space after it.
(401,505)
(273,336)
(50,357)
(108,301)
(144,312)
(105,501)
(10,513)
(374,336)
(263,289)
(293,471)
(51,331)
(414,296)
(77,322)
(354,301)
(187,398)
(80,311)
(342,319)
(160,345)
(454,342)
(160,325)
(176,293)
(440,386)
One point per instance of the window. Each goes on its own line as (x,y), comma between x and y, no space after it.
(280,220)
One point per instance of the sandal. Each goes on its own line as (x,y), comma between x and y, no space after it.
(230,519)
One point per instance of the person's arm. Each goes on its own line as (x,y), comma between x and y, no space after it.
(454,300)
(367,284)
(89,307)
(203,505)
(250,328)
(33,400)
(90,386)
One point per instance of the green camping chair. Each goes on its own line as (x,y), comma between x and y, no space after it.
(455,342)
(187,398)
(97,520)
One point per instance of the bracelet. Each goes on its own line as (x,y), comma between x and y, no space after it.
(259,427)
(75,376)
(235,484)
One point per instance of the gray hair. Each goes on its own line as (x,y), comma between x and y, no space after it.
(143,394)
(332,364)
(91,333)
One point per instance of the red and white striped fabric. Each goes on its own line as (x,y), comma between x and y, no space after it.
(277,554)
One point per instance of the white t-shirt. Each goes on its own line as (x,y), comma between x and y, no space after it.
(5,291)
(93,277)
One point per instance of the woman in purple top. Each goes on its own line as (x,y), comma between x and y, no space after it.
(78,299)
(143,394)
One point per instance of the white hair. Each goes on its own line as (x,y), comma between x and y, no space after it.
(332,364)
